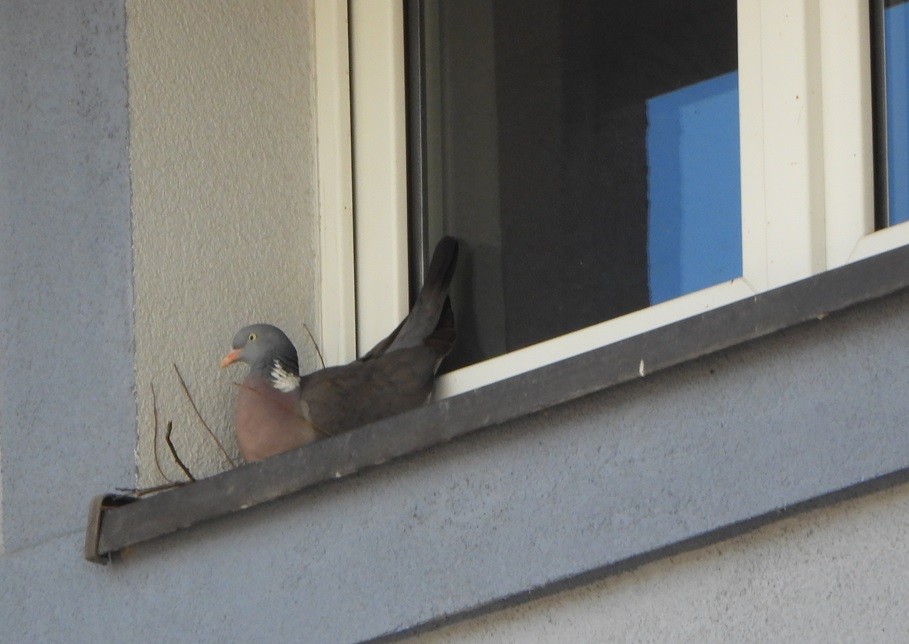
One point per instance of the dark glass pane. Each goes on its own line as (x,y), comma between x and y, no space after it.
(585,152)
(896,30)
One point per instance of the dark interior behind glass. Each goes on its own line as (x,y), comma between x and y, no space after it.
(532,140)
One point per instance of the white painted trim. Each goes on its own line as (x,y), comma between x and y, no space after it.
(338,304)
(380,166)
(751,142)
(597,335)
(881,241)
(790,103)
(848,137)
(851,234)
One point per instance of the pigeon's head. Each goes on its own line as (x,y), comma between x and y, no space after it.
(268,351)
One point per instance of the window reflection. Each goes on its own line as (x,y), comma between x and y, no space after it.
(694,231)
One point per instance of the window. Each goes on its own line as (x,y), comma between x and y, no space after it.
(806,189)
(585,153)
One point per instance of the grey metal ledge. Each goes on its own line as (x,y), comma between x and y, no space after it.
(116,522)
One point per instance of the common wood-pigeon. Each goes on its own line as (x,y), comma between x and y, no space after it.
(278,410)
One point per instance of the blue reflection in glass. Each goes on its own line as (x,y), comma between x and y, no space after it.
(896,30)
(695,224)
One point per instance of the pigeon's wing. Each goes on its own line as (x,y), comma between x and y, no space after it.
(338,399)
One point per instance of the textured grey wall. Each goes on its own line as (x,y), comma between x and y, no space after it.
(836,574)
(492,515)
(67,410)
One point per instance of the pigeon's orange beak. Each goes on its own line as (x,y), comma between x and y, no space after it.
(231,357)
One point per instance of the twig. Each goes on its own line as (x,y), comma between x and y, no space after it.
(314,344)
(173,451)
(155,437)
(202,420)
(145,491)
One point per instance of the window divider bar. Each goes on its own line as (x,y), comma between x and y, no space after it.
(379,166)
(790,103)
(336,251)
(848,150)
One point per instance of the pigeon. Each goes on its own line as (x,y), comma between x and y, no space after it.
(278,410)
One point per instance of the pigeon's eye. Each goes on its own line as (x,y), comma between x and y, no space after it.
(252,337)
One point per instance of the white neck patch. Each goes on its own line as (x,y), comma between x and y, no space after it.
(283,380)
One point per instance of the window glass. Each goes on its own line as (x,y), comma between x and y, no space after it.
(585,152)
(896,57)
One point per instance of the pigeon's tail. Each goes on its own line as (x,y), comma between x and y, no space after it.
(438,277)
(442,338)
(424,316)
(432,302)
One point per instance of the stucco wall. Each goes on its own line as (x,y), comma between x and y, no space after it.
(836,574)
(67,410)
(224,202)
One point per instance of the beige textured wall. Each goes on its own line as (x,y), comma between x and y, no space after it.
(225,230)
(839,574)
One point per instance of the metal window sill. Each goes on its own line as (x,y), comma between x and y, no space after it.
(115,523)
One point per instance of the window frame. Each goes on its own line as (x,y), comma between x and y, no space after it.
(801,184)
(807,170)
(335,182)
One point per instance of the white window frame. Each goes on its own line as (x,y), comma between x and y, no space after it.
(806,159)
(336,224)
(847,48)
